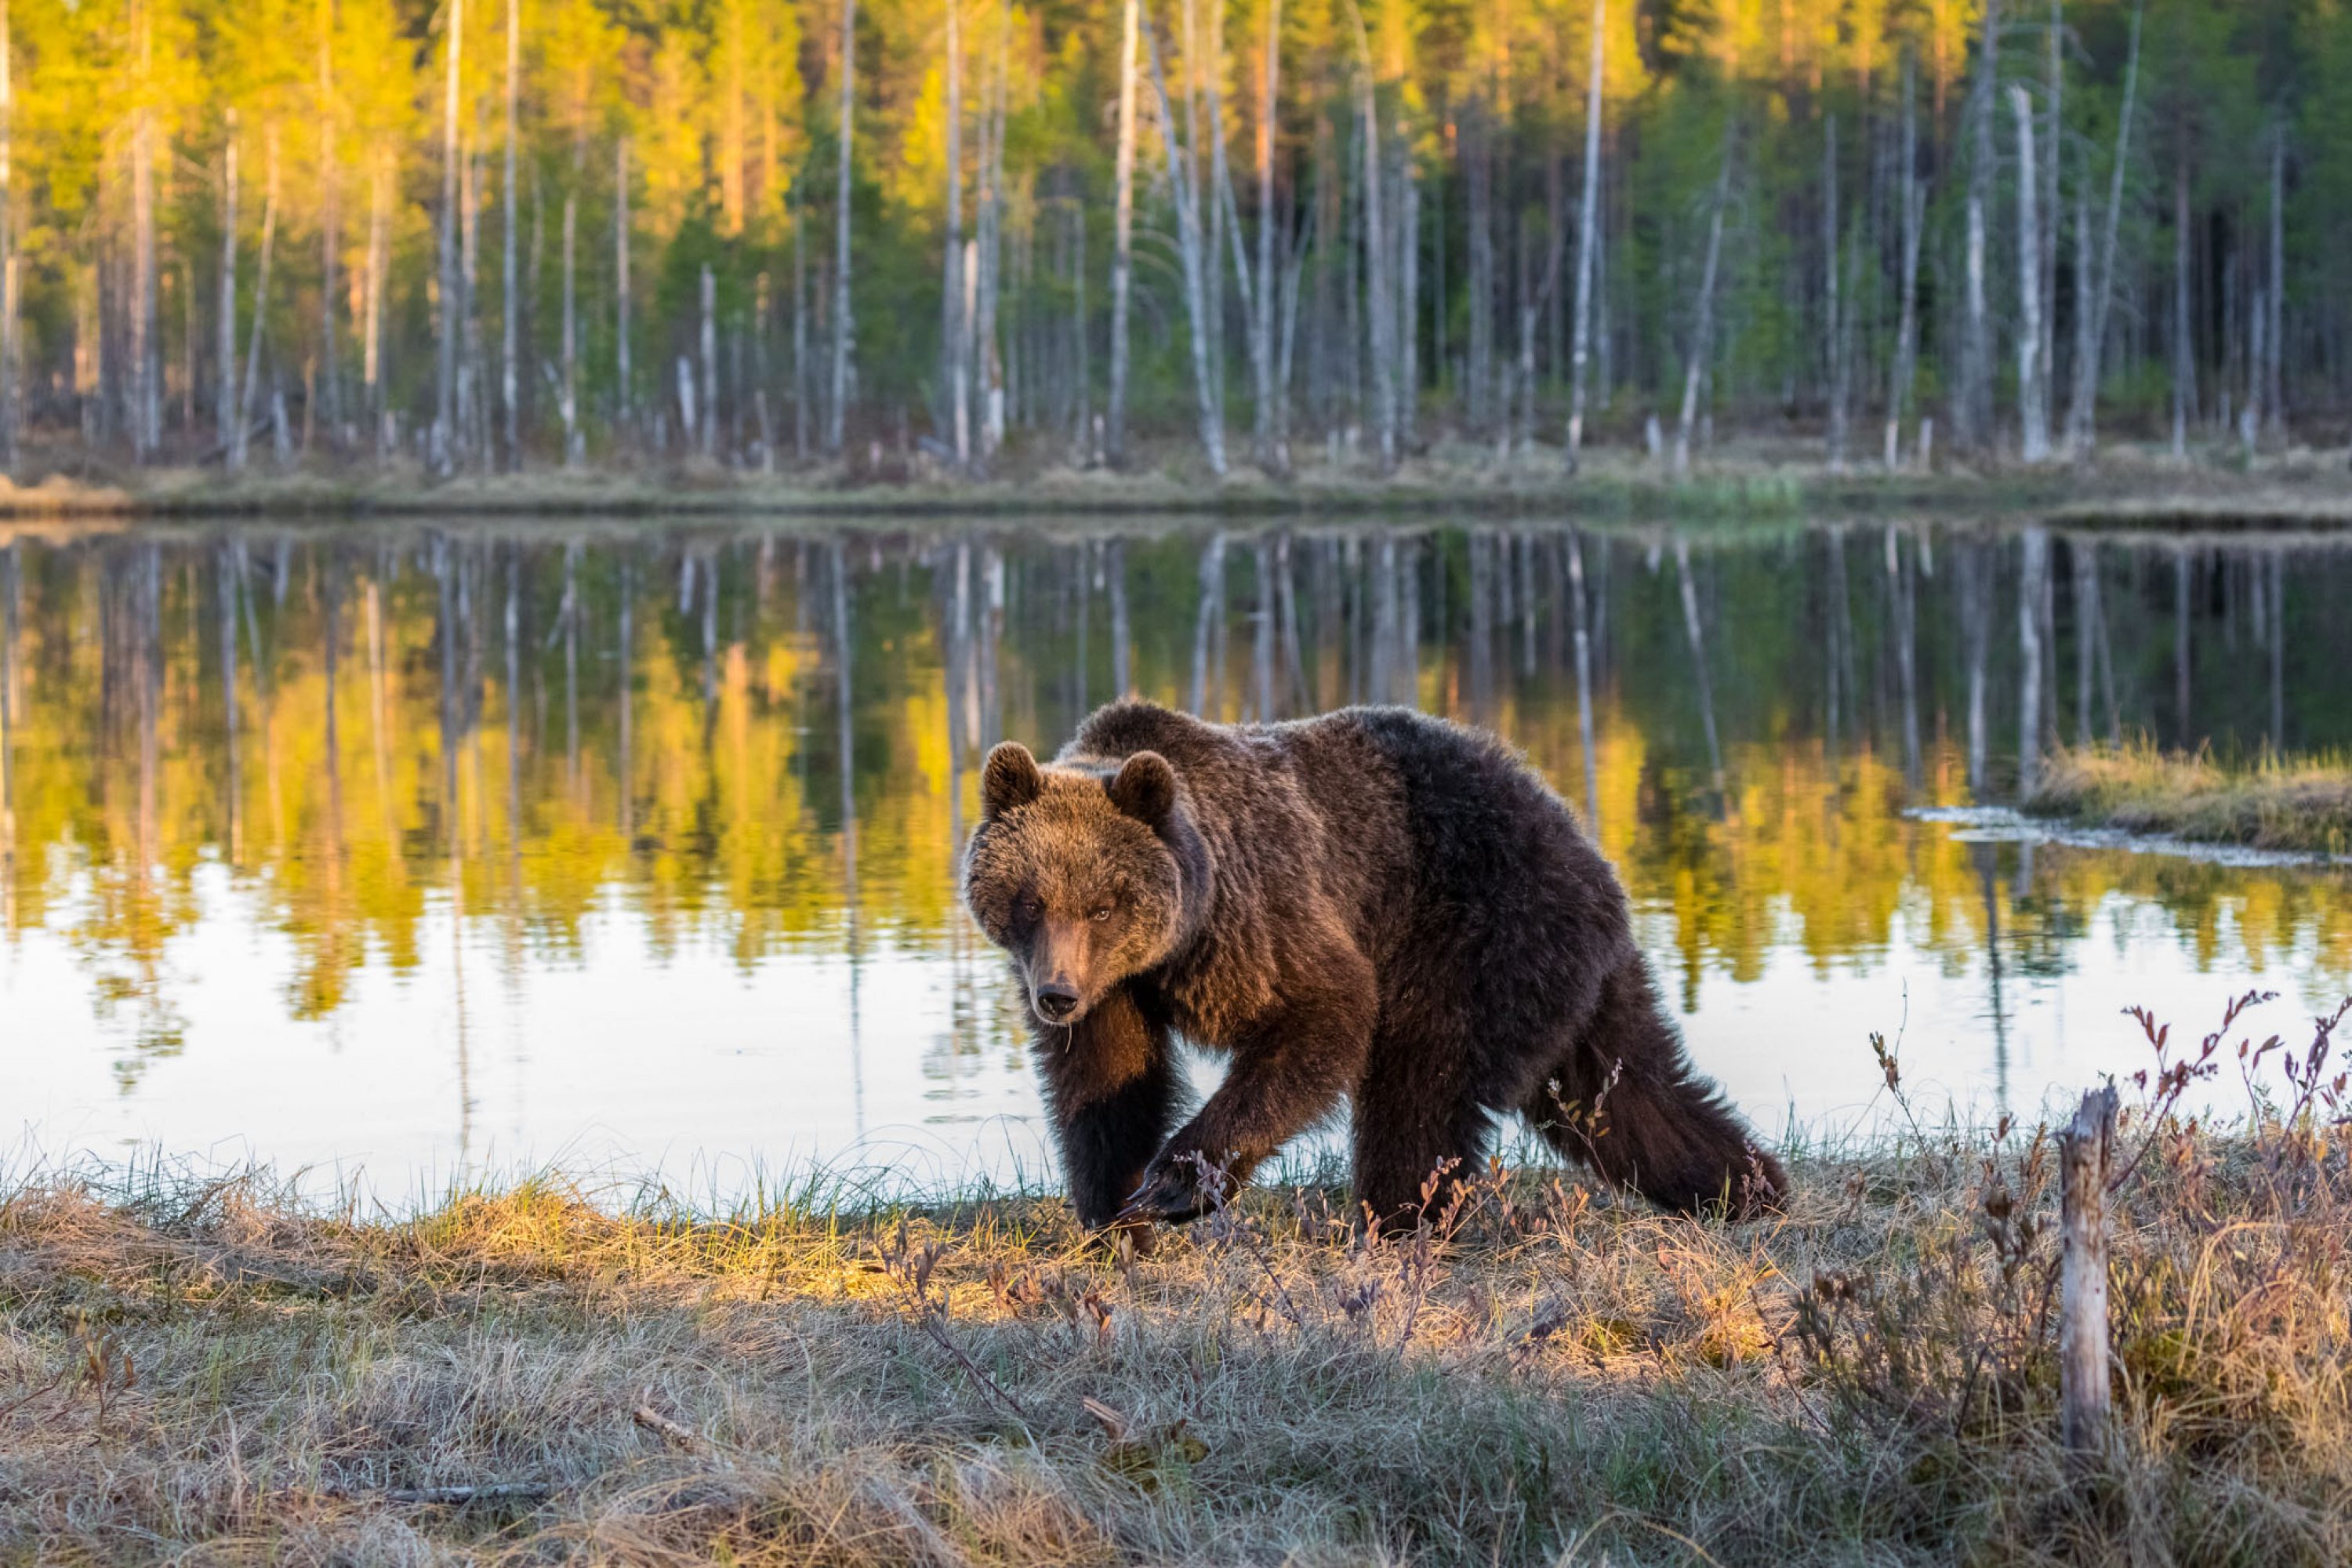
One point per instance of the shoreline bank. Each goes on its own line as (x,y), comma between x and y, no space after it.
(2301,805)
(2120,493)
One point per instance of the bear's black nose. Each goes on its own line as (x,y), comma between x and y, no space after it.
(1056,1002)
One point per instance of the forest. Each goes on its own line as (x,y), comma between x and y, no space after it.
(485,237)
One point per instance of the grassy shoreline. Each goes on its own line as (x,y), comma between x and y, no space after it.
(2126,489)
(2302,804)
(528,1375)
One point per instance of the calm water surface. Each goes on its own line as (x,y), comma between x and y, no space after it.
(412,854)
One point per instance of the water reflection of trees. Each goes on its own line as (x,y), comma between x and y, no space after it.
(763,740)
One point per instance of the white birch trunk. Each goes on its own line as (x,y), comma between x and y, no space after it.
(1377,303)
(621,369)
(260,306)
(2033,403)
(1189,245)
(1261,318)
(1972,407)
(2082,407)
(445,374)
(379,269)
(1478,367)
(799,333)
(1832,304)
(705,433)
(329,401)
(509,337)
(1907,333)
(1122,264)
(2184,363)
(1703,333)
(1407,314)
(2272,370)
(473,413)
(2046,264)
(1587,255)
(224,407)
(574,447)
(1201,162)
(955,326)
(988,353)
(843,327)
(146,395)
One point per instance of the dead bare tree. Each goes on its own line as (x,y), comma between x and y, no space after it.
(1702,346)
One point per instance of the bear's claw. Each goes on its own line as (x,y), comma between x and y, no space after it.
(1172,1192)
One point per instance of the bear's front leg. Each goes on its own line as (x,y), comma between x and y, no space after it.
(1288,1068)
(1110,1084)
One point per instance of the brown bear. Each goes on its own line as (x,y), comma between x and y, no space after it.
(1374,903)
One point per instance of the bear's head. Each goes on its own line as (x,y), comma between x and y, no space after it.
(1078,873)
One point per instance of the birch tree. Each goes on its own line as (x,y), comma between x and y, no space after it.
(843,327)
(511,313)
(1190,248)
(1262,369)
(1122,263)
(331,400)
(225,398)
(1913,200)
(954,324)
(2031,391)
(1702,346)
(2090,345)
(1972,401)
(1587,238)
(445,378)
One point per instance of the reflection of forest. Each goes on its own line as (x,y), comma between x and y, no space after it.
(760,739)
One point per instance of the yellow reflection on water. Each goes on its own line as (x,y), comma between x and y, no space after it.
(401,753)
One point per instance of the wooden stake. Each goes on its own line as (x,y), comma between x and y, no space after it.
(2083,1150)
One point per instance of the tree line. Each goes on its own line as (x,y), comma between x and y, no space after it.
(488,235)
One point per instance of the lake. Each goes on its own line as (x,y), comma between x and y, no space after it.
(398,856)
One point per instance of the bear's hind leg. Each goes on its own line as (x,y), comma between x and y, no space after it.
(1110,1083)
(1407,1128)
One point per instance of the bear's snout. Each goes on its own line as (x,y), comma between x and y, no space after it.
(1059,968)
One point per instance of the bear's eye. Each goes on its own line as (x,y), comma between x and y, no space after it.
(1032,908)
(1099,912)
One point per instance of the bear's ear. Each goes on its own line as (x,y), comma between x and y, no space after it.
(1145,789)
(1009,778)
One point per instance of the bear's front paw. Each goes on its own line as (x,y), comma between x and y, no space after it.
(1176,1187)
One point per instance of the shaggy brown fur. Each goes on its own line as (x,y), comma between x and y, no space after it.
(1374,904)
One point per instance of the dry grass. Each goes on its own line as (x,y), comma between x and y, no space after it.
(218,1373)
(2271,802)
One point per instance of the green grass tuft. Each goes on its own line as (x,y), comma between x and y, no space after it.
(2267,803)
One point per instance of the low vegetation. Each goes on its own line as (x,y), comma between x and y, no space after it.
(1544,1374)
(1772,479)
(2267,803)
